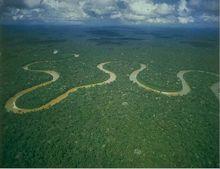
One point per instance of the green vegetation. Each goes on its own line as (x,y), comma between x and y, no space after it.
(115,125)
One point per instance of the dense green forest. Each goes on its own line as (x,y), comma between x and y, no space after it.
(113,125)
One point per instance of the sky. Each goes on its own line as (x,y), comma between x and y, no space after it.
(134,12)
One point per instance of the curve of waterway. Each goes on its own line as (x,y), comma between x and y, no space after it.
(185,86)
(11,103)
